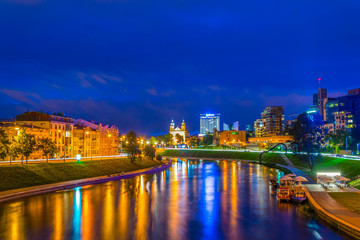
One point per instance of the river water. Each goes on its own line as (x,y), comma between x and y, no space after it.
(191,200)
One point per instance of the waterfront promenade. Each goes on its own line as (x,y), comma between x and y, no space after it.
(331,211)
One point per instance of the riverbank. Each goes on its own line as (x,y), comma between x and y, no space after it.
(330,208)
(28,175)
(42,189)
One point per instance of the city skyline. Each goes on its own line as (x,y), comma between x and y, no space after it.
(96,65)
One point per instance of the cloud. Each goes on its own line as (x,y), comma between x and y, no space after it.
(152,91)
(99,79)
(26,2)
(83,81)
(215,88)
(23,97)
(112,78)
(55,86)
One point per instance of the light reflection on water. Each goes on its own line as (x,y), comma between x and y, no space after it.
(191,200)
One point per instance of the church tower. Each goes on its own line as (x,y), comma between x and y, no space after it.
(183,127)
(172,125)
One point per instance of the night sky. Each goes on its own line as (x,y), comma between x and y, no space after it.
(137,64)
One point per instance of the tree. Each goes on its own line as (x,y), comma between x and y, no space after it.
(47,147)
(4,144)
(338,139)
(308,135)
(149,151)
(208,139)
(179,138)
(153,140)
(194,141)
(167,139)
(14,150)
(131,146)
(26,143)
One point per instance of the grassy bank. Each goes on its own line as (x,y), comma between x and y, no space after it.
(27,175)
(349,200)
(347,168)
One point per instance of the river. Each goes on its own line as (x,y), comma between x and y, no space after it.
(192,200)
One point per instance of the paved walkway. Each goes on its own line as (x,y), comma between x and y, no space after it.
(332,210)
(298,172)
(288,162)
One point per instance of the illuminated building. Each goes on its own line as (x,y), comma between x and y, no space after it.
(234,126)
(70,136)
(232,137)
(349,103)
(271,122)
(208,122)
(322,98)
(272,139)
(182,131)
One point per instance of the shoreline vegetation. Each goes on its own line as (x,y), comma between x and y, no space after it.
(29,175)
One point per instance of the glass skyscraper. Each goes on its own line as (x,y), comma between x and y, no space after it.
(208,122)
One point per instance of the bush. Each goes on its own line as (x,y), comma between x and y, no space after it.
(158,157)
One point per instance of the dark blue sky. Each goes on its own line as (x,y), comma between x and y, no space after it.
(137,64)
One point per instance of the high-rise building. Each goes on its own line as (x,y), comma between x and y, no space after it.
(271,122)
(226,127)
(208,122)
(322,98)
(315,99)
(344,112)
(235,126)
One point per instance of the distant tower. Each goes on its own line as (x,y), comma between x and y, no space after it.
(172,125)
(183,127)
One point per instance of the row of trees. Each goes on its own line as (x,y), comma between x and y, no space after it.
(132,147)
(24,144)
(167,139)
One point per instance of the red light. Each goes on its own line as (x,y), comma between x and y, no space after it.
(319,79)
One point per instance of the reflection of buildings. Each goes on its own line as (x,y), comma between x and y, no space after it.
(181,131)
(70,136)
(208,122)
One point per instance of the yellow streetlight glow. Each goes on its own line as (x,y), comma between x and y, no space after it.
(109,135)
(16,128)
(87,132)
